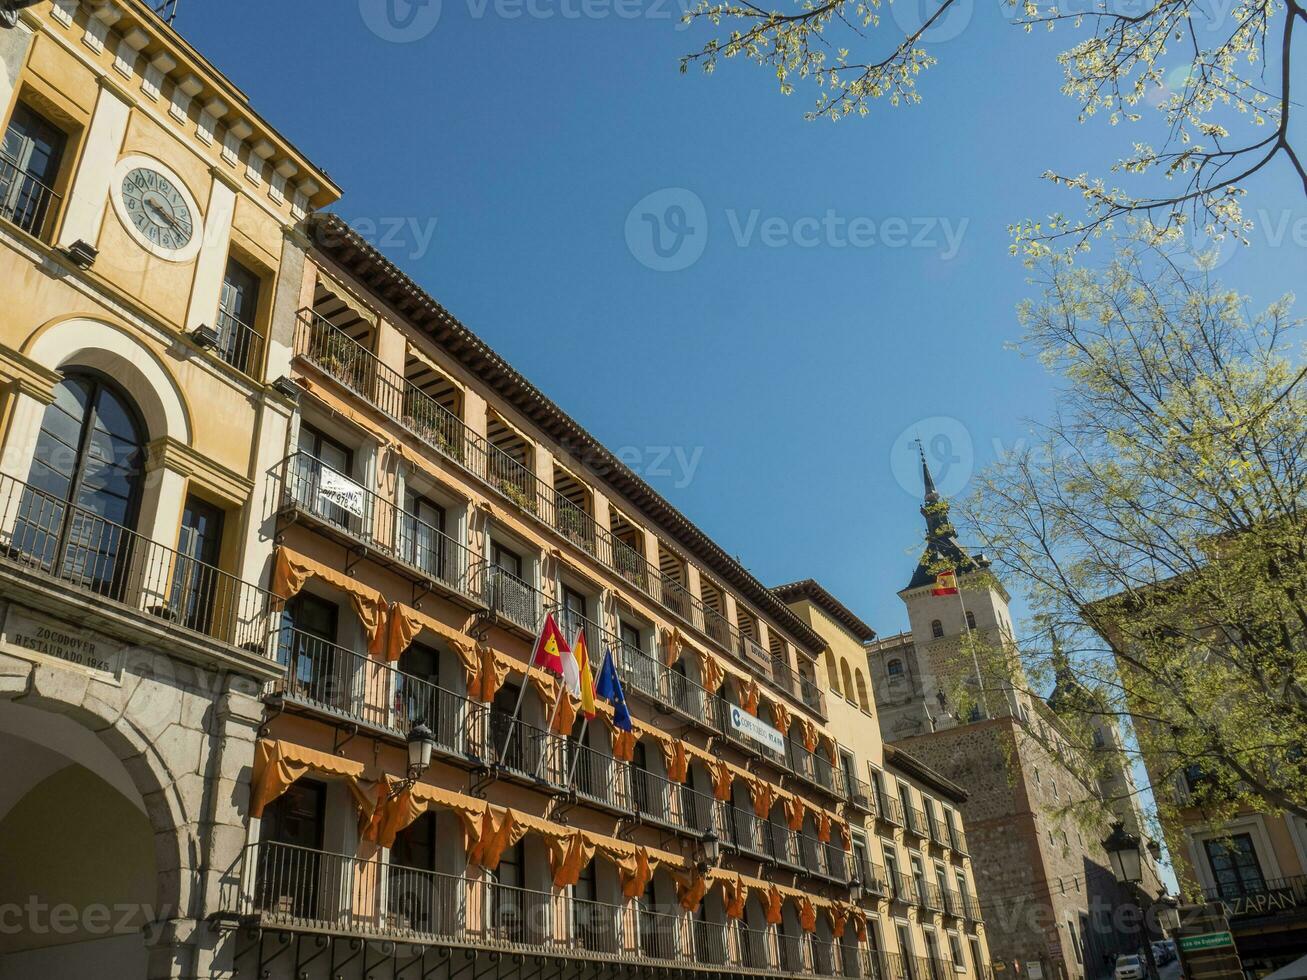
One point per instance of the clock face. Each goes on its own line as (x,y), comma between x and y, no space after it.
(157,209)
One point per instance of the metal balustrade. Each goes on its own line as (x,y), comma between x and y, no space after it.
(904,889)
(311,488)
(816,768)
(746,831)
(1263,897)
(859,793)
(599,778)
(25,201)
(932,896)
(891,810)
(239,344)
(957,839)
(358,369)
(338,681)
(873,879)
(290,887)
(530,752)
(916,822)
(971,906)
(513,598)
(953,903)
(49,537)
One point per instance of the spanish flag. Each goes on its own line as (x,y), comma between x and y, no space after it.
(550,648)
(587,682)
(946,583)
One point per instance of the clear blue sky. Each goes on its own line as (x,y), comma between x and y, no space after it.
(787,366)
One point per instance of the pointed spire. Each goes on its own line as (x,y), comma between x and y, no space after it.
(927,480)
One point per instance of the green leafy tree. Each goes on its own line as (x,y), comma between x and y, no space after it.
(1215,81)
(1157,524)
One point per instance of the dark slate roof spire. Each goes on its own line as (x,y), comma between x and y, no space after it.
(942,547)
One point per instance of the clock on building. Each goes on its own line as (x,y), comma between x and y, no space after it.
(156,208)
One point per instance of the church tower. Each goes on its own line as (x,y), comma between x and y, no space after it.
(956,638)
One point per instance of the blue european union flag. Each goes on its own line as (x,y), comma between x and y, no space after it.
(609,687)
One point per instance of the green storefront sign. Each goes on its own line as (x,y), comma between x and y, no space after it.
(1208,940)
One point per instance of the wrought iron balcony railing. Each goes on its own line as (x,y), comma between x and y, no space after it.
(239,344)
(890,810)
(859,793)
(331,499)
(816,769)
(288,887)
(957,838)
(916,822)
(1261,897)
(510,597)
(340,682)
(358,369)
(25,201)
(50,537)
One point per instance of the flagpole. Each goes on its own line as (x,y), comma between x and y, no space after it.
(549,729)
(580,747)
(975,661)
(517,710)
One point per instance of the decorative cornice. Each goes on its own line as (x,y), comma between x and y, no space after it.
(178,457)
(27,376)
(812,590)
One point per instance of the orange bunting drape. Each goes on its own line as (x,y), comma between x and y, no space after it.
(496,838)
(735,895)
(749,697)
(549,688)
(635,868)
(780,715)
(763,795)
(491,672)
(809,734)
(846,837)
(711,672)
(288,574)
(839,916)
(722,778)
(690,888)
(772,905)
(569,856)
(823,827)
(807,915)
(795,810)
(277,765)
(672,643)
(676,759)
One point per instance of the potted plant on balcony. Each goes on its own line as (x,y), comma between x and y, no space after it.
(514,493)
(336,354)
(574,525)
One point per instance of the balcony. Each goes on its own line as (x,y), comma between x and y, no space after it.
(674,806)
(599,779)
(904,889)
(239,344)
(1259,900)
(25,201)
(859,793)
(338,682)
(931,896)
(527,753)
(746,831)
(289,888)
(370,524)
(355,367)
(916,822)
(516,602)
(48,538)
(891,810)
(957,839)
(935,828)
(873,878)
(971,906)
(816,769)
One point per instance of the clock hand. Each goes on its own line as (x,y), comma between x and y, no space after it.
(165,216)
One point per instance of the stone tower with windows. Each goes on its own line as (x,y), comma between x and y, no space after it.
(943,671)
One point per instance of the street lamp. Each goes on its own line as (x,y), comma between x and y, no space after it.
(855,890)
(1125,852)
(421,743)
(710,851)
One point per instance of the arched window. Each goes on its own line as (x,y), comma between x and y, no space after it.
(832,675)
(971,620)
(862,692)
(894,668)
(846,679)
(936,628)
(84,487)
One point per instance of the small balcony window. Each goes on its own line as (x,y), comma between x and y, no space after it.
(30,157)
(239,342)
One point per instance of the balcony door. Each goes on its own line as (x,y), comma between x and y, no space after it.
(1235,867)
(29,165)
(417,694)
(502,724)
(413,894)
(575,609)
(291,871)
(321,480)
(84,488)
(195,580)
(421,535)
(316,671)
(237,310)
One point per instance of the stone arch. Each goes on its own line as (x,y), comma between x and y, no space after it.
(863,702)
(121,733)
(832,673)
(82,342)
(846,676)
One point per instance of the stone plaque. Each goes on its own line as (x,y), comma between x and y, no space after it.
(36,637)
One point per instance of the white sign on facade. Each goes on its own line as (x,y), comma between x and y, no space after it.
(35,637)
(756,729)
(341,492)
